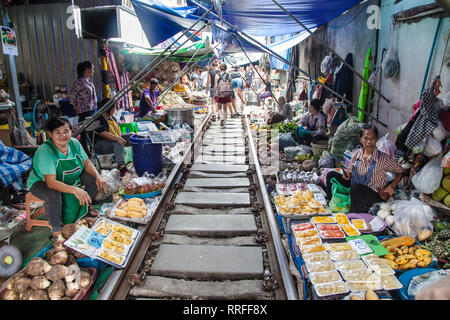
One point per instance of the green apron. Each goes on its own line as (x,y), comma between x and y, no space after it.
(69,172)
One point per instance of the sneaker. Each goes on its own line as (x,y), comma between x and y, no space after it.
(222,122)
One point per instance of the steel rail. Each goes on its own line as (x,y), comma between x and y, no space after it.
(140,75)
(331,49)
(288,282)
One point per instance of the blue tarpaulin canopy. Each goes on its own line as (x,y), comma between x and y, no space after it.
(255,17)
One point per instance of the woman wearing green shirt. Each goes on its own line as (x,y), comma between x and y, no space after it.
(64,177)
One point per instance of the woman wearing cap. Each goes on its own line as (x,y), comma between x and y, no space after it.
(64,177)
(366,174)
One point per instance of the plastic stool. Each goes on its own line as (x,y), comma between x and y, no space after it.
(29,198)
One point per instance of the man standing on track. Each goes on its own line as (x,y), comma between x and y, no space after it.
(237,84)
(210,82)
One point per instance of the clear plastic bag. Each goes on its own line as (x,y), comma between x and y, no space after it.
(326,161)
(439,133)
(112,184)
(386,146)
(432,148)
(390,64)
(420,147)
(428,179)
(412,216)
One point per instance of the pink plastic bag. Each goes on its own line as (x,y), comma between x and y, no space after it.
(386,146)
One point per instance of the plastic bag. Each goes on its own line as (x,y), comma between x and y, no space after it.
(390,64)
(326,161)
(294,151)
(346,137)
(325,65)
(286,140)
(412,216)
(340,200)
(420,147)
(445,163)
(112,184)
(432,148)
(439,133)
(386,146)
(428,179)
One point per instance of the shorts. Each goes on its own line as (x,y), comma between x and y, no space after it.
(264,95)
(223,100)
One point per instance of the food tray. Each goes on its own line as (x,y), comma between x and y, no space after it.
(350,265)
(341,218)
(302,226)
(319,197)
(350,230)
(144,220)
(289,188)
(359,224)
(340,246)
(312,248)
(316,257)
(314,188)
(109,244)
(328,226)
(324,277)
(323,219)
(368,218)
(112,223)
(364,286)
(357,275)
(116,259)
(331,288)
(344,255)
(391,282)
(332,234)
(306,233)
(378,265)
(320,266)
(103,226)
(308,241)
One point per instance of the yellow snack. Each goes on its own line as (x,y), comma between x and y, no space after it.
(121,213)
(124,230)
(120,238)
(139,200)
(133,206)
(135,214)
(114,245)
(325,219)
(312,248)
(350,230)
(111,256)
(341,218)
(103,227)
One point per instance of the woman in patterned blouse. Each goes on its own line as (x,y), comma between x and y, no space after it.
(315,122)
(82,95)
(366,174)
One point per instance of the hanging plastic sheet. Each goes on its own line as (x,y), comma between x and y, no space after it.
(265,18)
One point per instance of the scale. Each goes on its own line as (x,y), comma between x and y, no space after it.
(10,257)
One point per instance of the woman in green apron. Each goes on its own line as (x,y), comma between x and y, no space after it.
(64,177)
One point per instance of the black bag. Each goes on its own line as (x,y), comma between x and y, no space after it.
(403,135)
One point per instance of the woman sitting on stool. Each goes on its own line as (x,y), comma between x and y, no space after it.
(366,174)
(64,177)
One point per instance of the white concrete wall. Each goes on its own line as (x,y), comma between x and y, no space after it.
(413,42)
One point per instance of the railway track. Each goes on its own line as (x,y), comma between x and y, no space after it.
(210,237)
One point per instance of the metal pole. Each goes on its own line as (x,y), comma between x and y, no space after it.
(331,49)
(138,77)
(272,53)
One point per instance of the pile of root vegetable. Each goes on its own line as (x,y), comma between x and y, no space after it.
(55,277)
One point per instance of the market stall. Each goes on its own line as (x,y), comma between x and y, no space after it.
(391,251)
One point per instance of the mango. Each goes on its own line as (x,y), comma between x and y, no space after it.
(447,200)
(439,194)
(446,183)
